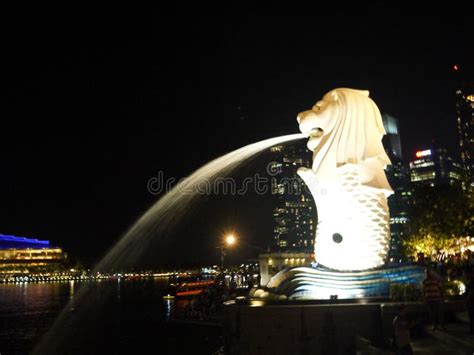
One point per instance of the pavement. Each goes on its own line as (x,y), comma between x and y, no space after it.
(454,340)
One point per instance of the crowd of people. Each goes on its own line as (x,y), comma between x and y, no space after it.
(460,265)
(209,303)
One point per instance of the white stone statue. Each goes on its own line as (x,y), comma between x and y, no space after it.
(347,180)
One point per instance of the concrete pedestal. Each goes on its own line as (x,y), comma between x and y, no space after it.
(287,328)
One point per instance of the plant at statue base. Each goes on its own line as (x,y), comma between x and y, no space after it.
(432,247)
(405,292)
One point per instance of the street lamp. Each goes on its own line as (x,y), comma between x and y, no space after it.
(229,241)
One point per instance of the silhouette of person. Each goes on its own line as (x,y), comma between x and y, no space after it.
(433,294)
(402,325)
(470,303)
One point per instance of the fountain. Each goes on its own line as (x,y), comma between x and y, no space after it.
(70,330)
(350,189)
(170,209)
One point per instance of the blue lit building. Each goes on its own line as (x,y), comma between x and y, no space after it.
(21,254)
(12,242)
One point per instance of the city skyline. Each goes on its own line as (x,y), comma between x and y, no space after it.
(237,181)
(216,87)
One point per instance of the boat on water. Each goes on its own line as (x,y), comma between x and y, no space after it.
(187,289)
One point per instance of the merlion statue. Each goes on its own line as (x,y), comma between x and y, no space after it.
(347,180)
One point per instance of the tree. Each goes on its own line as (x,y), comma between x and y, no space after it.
(441,218)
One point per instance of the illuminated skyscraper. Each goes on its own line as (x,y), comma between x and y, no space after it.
(465,121)
(399,178)
(294,224)
(391,141)
(434,167)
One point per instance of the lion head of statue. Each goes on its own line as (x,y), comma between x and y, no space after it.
(346,127)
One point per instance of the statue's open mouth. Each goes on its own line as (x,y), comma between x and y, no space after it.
(316,133)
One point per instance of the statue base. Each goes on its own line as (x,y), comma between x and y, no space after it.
(322,283)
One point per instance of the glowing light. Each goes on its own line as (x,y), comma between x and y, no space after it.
(423,153)
(230,239)
(456,67)
(459,288)
(188,293)
(470,98)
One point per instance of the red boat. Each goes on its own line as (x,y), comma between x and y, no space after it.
(188,289)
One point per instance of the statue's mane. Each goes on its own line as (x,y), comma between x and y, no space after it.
(357,134)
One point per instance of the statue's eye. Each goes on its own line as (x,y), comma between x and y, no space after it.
(319,106)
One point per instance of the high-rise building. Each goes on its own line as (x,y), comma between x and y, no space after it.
(434,167)
(465,121)
(399,178)
(391,141)
(294,214)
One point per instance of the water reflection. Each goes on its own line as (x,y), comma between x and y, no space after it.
(120,311)
(118,289)
(26,311)
(24,287)
(71,295)
(169,305)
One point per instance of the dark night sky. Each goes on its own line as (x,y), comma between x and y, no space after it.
(93,108)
